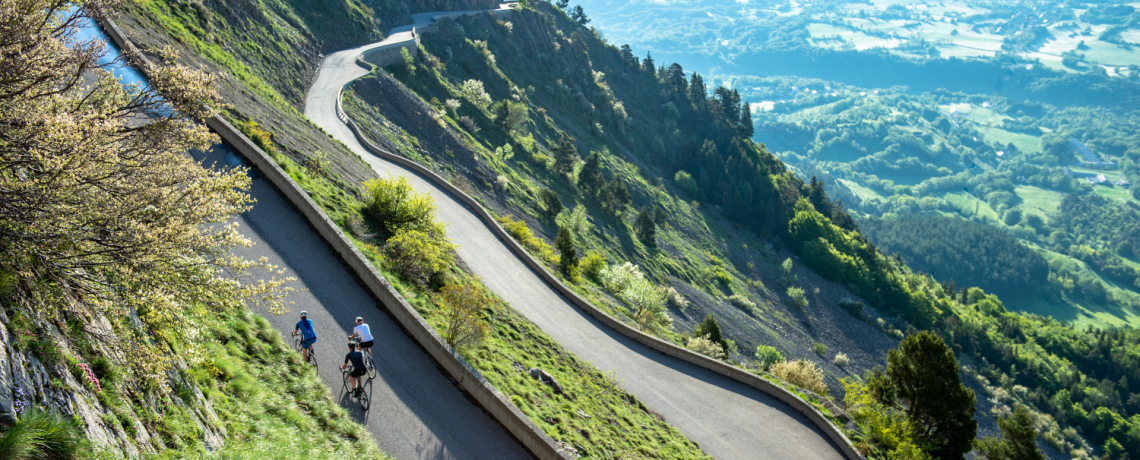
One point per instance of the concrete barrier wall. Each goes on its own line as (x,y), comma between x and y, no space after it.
(387,55)
(833,432)
(487,396)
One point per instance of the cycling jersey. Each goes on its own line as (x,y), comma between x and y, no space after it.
(364,333)
(307,331)
(357,360)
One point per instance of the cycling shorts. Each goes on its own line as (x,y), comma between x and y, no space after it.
(367,344)
(308,343)
(358,373)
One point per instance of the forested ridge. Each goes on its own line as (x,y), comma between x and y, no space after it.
(969,253)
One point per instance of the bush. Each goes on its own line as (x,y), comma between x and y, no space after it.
(463,314)
(803,374)
(550,201)
(853,308)
(768,356)
(819,348)
(742,302)
(798,297)
(841,360)
(525,236)
(592,266)
(418,256)
(41,435)
(616,278)
(392,204)
(474,92)
(706,347)
(675,299)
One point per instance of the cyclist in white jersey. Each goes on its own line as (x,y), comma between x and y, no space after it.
(362,333)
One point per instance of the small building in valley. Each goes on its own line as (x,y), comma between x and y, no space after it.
(1087,158)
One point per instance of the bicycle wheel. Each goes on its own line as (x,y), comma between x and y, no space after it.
(344,375)
(371,368)
(363,399)
(313,356)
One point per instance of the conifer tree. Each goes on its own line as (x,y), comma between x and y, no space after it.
(1019,440)
(568,254)
(921,380)
(746,128)
(647,64)
(565,154)
(697,91)
(590,178)
(645,227)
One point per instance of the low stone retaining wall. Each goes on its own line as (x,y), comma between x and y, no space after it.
(487,396)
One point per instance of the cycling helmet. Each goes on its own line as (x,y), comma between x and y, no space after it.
(304,313)
(359,318)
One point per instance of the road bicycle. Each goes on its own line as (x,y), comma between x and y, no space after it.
(368,362)
(312,349)
(361,398)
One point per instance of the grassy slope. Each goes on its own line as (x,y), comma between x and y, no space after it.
(614,420)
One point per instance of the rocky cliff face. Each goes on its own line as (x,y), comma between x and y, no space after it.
(25,382)
(424,6)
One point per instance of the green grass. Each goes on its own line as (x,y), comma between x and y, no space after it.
(1037,200)
(862,192)
(1024,142)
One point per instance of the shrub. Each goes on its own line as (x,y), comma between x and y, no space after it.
(592,266)
(708,327)
(648,301)
(768,356)
(39,434)
(550,201)
(819,348)
(803,374)
(706,347)
(741,302)
(576,220)
(393,205)
(526,237)
(675,299)
(468,124)
(463,306)
(616,278)
(418,256)
(853,308)
(841,360)
(798,297)
(474,92)
(452,105)
(686,183)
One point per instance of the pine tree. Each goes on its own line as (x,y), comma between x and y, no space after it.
(562,4)
(675,77)
(550,200)
(921,380)
(818,197)
(746,128)
(1019,440)
(646,229)
(568,254)
(565,154)
(647,64)
(615,195)
(697,91)
(579,15)
(590,178)
(627,54)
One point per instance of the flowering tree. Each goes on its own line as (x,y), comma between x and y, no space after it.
(102,212)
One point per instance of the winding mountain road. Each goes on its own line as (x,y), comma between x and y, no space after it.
(729,419)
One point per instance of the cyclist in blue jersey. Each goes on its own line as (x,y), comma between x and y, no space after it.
(308,334)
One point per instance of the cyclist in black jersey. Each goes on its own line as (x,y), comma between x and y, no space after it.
(356,358)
